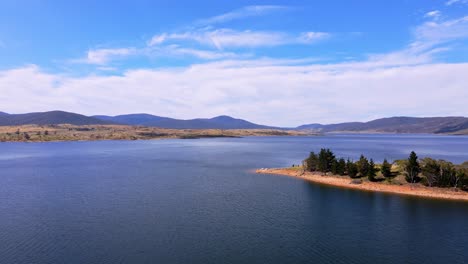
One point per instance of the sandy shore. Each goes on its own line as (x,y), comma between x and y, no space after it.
(345,182)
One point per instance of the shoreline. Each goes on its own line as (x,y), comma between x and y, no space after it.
(415,190)
(67,132)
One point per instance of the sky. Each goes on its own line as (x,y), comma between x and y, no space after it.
(282,63)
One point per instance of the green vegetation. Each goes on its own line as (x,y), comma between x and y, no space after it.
(412,168)
(429,172)
(386,169)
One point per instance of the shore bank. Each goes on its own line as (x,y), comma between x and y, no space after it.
(46,133)
(345,182)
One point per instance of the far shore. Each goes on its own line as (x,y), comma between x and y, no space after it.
(345,182)
(66,132)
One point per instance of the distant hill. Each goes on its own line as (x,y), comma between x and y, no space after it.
(397,125)
(454,125)
(48,118)
(219,122)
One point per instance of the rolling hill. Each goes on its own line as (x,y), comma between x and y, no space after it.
(397,125)
(219,122)
(453,125)
(48,118)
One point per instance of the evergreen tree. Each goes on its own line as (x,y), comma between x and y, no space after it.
(372,171)
(334,167)
(341,167)
(351,168)
(412,168)
(386,169)
(326,158)
(363,166)
(311,162)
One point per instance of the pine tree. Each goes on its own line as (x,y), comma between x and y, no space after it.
(412,168)
(363,166)
(386,169)
(351,168)
(341,167)
(326,158)
(311,162)
(372,171)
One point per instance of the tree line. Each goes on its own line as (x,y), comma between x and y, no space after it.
(430,172)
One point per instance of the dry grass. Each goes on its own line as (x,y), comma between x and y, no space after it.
(66,132)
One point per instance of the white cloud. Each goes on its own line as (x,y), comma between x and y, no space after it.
(293,94)
(244,12)
(435,14)
(103,56)
(443,31)
(308,37)
(157,39)
(175,50)
(451,2)
(229,38)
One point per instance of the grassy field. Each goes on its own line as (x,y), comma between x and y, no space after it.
(35,133)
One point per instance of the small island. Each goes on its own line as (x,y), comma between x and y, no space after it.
(427,177)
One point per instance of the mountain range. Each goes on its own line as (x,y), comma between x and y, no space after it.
(398,125)
(456,125)
(219,122)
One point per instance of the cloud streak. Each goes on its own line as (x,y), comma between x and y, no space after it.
(229,38)
(452,2)
(244,12)
(104,56)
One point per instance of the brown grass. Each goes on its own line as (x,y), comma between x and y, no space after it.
(35,133)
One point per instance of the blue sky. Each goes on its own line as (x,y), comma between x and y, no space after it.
(274,62)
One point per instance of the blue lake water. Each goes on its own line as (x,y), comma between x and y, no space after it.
(197,201)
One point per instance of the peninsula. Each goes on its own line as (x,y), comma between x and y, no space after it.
(429,178)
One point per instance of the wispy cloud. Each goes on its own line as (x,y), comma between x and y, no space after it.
(229,38)
(247,11)
(443,31)
(103,56)
(451,2)
(309,37)
(435,14)
(176,50)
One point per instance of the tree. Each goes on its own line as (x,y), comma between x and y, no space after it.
(386,169)
(363,166)
(351,168)
(311,162)
(326,158)
(412,168)
(334,167)
(372,171)
(447,174)
(431,171)
(341,167)
(459,177)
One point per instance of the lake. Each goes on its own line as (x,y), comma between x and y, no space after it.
(197,201)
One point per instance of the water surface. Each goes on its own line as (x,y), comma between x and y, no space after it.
(196,201)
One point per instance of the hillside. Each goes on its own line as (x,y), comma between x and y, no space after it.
(48,118)
(219,122)
(454,125)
